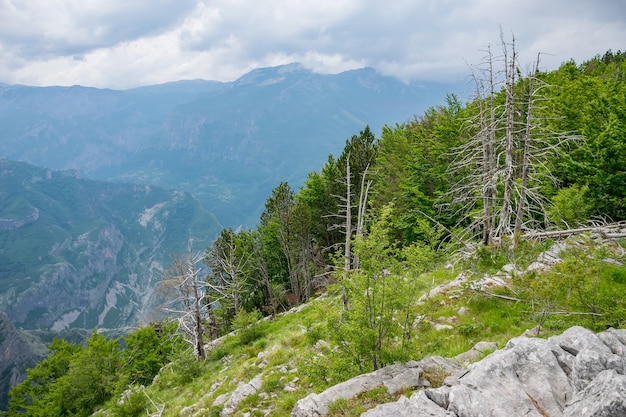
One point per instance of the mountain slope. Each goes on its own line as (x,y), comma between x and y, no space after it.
(81,253)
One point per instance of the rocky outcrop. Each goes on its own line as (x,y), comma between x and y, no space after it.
(395,378)
(578,373)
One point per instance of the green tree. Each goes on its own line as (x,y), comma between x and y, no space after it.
(374,327)
(147,350)
(591,99)
(411,169)
(32,397)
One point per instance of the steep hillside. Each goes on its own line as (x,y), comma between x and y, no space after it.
(228,144)
(80,253)
(295,363)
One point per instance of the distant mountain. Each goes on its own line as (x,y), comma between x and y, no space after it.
(228,144)
(78,253)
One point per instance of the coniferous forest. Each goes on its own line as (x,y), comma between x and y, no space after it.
(468,185)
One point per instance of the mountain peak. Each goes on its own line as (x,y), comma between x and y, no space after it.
(269,75)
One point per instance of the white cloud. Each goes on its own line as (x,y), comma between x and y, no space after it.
(121,43)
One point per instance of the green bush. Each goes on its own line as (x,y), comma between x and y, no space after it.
(571,206)
(248,326)
(134,404)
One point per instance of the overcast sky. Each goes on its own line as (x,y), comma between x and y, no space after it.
(127,43)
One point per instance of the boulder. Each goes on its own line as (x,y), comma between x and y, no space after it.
(475,353)
(418,405)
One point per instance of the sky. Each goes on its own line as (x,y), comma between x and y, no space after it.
(128,43)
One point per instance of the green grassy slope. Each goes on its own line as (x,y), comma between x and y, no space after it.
(297,353)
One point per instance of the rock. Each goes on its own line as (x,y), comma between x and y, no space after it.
(509,269)
(322,345)
(242,391)
(439,367)
(394,377)
(534,332)
(577,373)
(475,352)
(510,382)
(463,311)
(188,411)
(221,399)
(405,379)
(604,396)
(419,406)
(547,259)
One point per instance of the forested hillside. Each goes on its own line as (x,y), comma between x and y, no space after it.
(465,187)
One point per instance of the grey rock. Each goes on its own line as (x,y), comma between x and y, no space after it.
(475,353)
(510,382)
(408,378)
(577,373)
(439,365)
(605,396)
(394,378)
(418,406)
(242,391)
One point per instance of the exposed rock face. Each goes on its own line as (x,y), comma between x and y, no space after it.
(577,373)
(16,355)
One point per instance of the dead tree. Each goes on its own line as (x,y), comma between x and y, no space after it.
(227,262)
(504,162)
(187,300)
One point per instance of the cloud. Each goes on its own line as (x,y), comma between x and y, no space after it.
(119,44)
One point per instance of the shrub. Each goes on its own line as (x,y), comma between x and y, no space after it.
(248,326)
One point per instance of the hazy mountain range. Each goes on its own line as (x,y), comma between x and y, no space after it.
(228,143)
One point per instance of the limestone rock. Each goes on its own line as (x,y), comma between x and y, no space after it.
(604,396)
(242,391)
(419,406)
(475,352)
(577,373)
(394,378)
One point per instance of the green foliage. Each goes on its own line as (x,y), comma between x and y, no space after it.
(148,349)
(34,395)
(133,404)
(75,380)
(571,206)
(374,327)
(248,326)
(584,287)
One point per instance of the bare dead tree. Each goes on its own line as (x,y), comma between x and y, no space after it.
(362,207)
(503,227)
(505,161)
(189,305)
(227,263)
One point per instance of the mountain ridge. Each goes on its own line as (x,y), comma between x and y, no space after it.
(233,141)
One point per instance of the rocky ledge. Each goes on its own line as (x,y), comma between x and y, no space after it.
(577,373)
